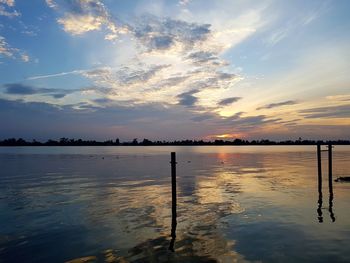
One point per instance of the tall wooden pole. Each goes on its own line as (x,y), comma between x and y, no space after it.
(319,168)
(173,198)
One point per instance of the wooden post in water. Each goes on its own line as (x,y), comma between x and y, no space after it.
(330,181)
(319,168)
(173,199)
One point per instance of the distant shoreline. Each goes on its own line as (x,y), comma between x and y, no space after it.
(145,142)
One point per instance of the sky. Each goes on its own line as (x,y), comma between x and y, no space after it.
(169,70)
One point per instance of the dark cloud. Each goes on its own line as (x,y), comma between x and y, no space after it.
(206,58)
(203,117)
(22,89)
(236,115)
(42,121)
(342,111)
(211,79)
(173,81)
(278,104)
(103,100)
(226,76)
(187,99)
(202,56)
(161,34)
(160,42)
(229,101)
(19,89)
(58,96)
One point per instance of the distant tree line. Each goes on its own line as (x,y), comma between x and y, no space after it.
(146,142)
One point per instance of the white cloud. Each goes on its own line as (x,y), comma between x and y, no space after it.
(56,74)
(89,15)
(8,2)
(25,57)
(184,2)
(80,24)
(10,52)
(277,36)
(5,49)
(6,8)
(51,4)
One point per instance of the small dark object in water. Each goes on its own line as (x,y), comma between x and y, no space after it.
(188,161)
(343,179)
(102,157)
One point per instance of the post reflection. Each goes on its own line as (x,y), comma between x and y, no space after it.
(319,207)
(330,208)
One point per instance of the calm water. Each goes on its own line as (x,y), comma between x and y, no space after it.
(113,204)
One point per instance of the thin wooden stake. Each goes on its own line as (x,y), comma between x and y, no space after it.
(319,168)
(173,204)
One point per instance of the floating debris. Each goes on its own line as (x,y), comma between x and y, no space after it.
(343,179)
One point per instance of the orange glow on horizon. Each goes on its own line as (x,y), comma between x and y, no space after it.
(227,136)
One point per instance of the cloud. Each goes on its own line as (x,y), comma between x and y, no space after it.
(35,119)
(290,25)
(57,74)
(110,120)
(103,101)
(5,49)
(277,36)
(177,57)
(51,4)
(7,2)
(187,99)
(82,16)
(4,8)
(152,83)
(202,117)
(129,76)
(342,97)
(278,104)
(158,34)
(228,101)
(25,57)
(38,119)
(22,89)
(206,58)
(19,89)
(10,52)
(79,24)
(184,2)
(341,111)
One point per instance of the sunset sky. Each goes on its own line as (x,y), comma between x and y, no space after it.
(188,69)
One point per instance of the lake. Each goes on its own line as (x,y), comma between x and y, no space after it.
(113,204)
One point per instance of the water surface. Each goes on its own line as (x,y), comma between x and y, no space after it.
(113,204)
